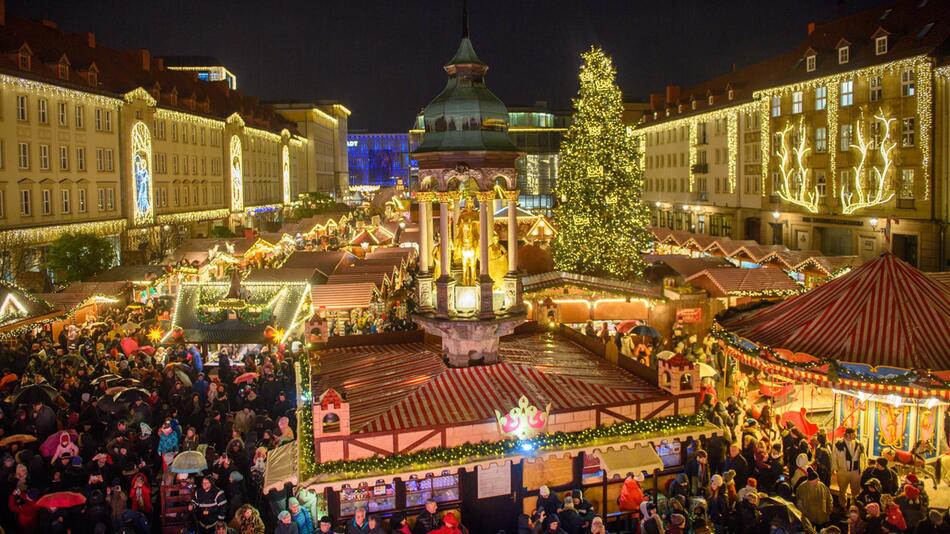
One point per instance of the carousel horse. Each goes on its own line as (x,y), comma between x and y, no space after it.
(913,460)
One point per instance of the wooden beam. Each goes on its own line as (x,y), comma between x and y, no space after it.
(367,446)
(659,409)
(419,441)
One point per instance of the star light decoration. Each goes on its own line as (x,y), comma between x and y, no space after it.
(155,334)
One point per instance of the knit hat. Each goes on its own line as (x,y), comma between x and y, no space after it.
(715,481)
(544,491)
(728,476)
(911,491)
(450,520)
(911,478)
(812,474)
(874,483)
(801,460)
(873,507)
(76,461)
(751,482)
(935,517)
(292,501)
(283,516)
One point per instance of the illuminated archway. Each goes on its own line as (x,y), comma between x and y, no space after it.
(237,175)
(285,155)
(142,174)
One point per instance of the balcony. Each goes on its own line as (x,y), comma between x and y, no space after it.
(700,168)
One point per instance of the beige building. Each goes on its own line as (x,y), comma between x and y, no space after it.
(823,148)
(110,141)
(324,126)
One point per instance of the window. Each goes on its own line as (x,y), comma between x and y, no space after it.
(810,62)
(880,46)
(100,160)
(875,88)
(110,199)
(845,143)
(731,94)
(63,119)
(82,201)
(3,205)
(175,197)
(44,157)
(821,184)
(847,93)
(64,158)
(846,182)
(821,139)
(23,59)
(108,124)
(797,102)
(80,117)
(93,77)
(101,199)
(98,120)
(81,159)
(42,110)
(906,190)
(907,132)
(23,155)
(821,98)
(66,199)
(844,54)
(907,82)
(875,134)
(174,131)
(22,111)
(63,70)
(109,166)
(194,131)
(26,199)
(776,183)
(776,106)
(47,202)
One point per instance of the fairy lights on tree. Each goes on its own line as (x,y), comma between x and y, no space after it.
(792,152)
(601,219)
(869,186)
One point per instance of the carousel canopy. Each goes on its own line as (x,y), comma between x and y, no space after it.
(884,313)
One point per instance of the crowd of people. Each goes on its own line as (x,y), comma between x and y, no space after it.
(94,419)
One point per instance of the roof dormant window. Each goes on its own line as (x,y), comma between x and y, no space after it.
(844,54)
(880,45)
(810,62)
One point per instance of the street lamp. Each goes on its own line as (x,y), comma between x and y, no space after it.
(873,222)
(776,215)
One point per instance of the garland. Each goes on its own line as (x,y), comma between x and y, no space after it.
(468,452)
(304,418)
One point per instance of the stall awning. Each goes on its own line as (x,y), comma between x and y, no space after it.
(636,459)
(281,467)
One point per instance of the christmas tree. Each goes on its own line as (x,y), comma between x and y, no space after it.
(602,223)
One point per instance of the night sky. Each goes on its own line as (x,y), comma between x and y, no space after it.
(383,59)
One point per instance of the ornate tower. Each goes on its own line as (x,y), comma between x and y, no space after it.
(467,159)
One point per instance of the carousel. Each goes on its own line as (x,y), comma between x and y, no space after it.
(874,342)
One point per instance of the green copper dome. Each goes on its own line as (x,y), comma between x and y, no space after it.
(466,116)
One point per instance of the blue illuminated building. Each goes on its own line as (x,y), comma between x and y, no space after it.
(378,159)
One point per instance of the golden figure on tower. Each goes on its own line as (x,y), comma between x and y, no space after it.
(465,245)
(497,262)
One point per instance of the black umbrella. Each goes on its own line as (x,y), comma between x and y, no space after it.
(35,393)
(645,330)
(105,378)
(785,511)
(107,404)
(130,394)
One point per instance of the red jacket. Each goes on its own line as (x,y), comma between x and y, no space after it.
(141,503)
(27,514)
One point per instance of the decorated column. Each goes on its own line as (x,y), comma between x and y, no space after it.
(485,228)
(425,252)
(512,280)
(445,284)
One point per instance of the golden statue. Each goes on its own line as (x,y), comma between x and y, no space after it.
(436,261)
(497,261)
(465,245)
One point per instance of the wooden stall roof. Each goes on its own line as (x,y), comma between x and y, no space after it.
(685,265)
(138,273)
(732,281)
(406,386)
(344,296)
(536,282)
(324,262)
(78,293)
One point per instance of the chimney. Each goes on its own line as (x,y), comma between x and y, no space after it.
(160,63)
(146,59)
(48,23)
(656,101)
(90,39)
(811,28)
(3,12)
(672,94)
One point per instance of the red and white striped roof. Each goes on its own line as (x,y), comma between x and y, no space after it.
(884,313)
(406,386)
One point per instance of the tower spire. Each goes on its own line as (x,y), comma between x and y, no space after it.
(464,18)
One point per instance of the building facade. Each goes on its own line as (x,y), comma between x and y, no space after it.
(111,142)
(379,159)
(325,168)
(833,146)
(208,69)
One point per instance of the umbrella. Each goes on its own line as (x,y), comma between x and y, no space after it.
(790,515)
(130,327)
(35,393)
(129,345)
(105,378)
(665,355)
(626,326)
(189,462)
(48,448)
(61,499)
(646,330)
(8,378)
(107,404)
(112,390)
(183,377)
(22,439)
(75,359)
(706,370)
(246,377)
(133,393)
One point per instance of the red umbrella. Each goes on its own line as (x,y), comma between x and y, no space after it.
(626,326)
(246,377)
(48,448)
(61,499)
(129,345)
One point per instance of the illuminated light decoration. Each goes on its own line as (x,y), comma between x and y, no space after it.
(285,172)
(506,448)
(863,195)
(364,188)
(192,216)
(732,146)
(11,309)
(524,420)
(923,70)
(891,398)
(237,175)
(262,134)
(263,208)
(139,94)
(155,335)
(789,191)
(693,154)
(46,89)
(198,120)
(142,190)
(47,234)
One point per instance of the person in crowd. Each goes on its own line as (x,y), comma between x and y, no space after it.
(208,505)
(912,506)
(814,499)
(301,516)
(428,520)
(885,475)
(597,526)
(359,524)
(652,524)
(697,471)
(570,520)
(326,524)
(285,524)
(247,520)
(848,460)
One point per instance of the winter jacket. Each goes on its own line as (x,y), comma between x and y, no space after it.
(27,513)
(254,525)
(209,506)
(913,511)
(140,494)
(425,523)
(286,528)
(303,520)
(814,500)
(631,495)
(353,528)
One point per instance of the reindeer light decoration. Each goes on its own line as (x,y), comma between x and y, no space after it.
(792,166)
(870,180)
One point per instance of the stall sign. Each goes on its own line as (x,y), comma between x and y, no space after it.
(523,421)
(689,315)
(494,481)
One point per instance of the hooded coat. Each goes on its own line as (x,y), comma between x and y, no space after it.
(814,500)
(140,494)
